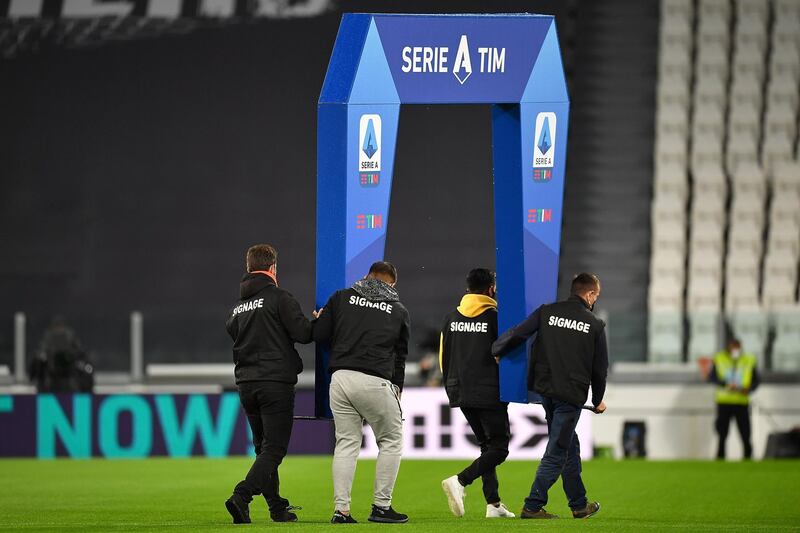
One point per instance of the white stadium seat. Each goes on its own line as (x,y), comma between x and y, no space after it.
(705,263)
(786,347)
(668,263)
(741,293)
(752,329)
(786,177)
(665,336)
(669,234)
(710,177)
(783,89)
(780,119)
(665,294)
(704,334)
(746,238)
(778,148)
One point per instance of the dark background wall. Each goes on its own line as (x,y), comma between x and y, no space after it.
(133,176)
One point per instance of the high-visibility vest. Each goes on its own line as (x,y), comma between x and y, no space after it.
(737,371)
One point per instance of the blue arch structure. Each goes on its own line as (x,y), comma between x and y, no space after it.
(379,61)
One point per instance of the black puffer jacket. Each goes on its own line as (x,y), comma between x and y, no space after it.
(367,328)
(264,326)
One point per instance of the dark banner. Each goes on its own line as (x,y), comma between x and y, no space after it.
(141,425)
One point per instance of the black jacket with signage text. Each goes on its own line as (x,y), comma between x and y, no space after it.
(568,354)
(367,328)
(469,371)
(264,326)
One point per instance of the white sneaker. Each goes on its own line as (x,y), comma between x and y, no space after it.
(498,512)
(455,495)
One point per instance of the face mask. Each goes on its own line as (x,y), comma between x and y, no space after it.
(735,353)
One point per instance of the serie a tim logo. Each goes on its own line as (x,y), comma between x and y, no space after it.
(544,147)
(369,153)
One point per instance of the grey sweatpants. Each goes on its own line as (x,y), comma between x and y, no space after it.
(355,397)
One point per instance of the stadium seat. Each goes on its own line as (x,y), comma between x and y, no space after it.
(710,90)
(786,177)
(783,64)
(748,176)
(671,183)
(781,263)
(778,148)
(669,234)
(665,294)
(708,204)
(742,264)
(783,89)
(672,119)
(705,262)
(668,207)
(676,33)
(665,336)
(786,347)
(668,263)
(704,334)
(785,204)
(704,294)
(746,88)
(780,119)
(784,237)
(710,178)
(748,58)
(752,329)
(777,294)
(746,238)
(673,89)
(745,118)
(747,210)
(740,150)
(682,8)
(741,293)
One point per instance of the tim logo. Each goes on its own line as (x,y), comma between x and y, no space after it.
(369,152)
(369,221)
(544,147)
(539,216)
(437,59)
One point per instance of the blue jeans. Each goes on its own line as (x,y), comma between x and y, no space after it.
(562,457)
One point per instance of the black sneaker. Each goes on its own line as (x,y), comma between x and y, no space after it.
(285,515)
(238,509)
(340,518)
(388,516)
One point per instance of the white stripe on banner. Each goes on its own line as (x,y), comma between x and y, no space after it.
(170,9)
(434,431)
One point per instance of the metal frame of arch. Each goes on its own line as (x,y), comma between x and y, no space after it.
(379,61)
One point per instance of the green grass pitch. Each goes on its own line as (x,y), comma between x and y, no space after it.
(176,495)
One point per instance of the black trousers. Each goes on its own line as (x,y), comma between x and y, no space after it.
(742,414)
(269,407)
(492,430)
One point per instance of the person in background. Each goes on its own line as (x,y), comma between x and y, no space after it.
(61,364)
(569,353)
(264,325)
(472,382)
(736,377)
(367,329)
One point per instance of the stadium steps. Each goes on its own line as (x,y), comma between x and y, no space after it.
(607,199)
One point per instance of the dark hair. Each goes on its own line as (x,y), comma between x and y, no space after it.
(480,279)
(733,341)
(384,268)
(583,283)
(261,257)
